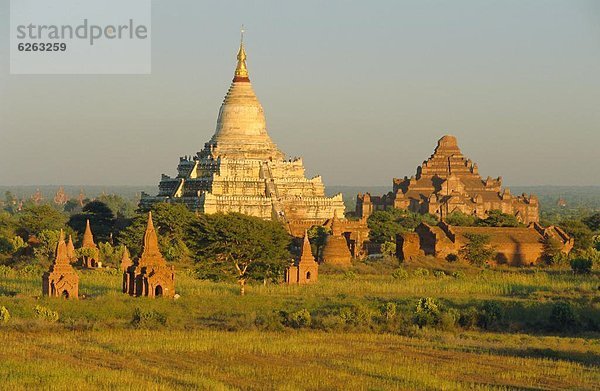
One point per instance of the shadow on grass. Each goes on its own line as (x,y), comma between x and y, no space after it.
(584,358)
(7,292)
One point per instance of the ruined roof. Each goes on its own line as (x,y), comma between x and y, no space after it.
(502,234)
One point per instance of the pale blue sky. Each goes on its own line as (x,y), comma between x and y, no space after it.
(362,90)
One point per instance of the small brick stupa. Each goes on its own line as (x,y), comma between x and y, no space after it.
(336,251)
(306,269)
(150,275)
(61,280)
(90,255)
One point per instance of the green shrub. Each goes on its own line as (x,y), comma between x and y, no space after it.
(439,273)
(388,311)
(4,315)
(45,314)
(269,322)
(562,316)
(459,275)
(420,272)
(31,271)
(356,316)
(468,318)
(581,266)
(400,274)
(427,312)
(148,319)
(448,319)
(490,314)
(298,319)
(349,275)
(388,249)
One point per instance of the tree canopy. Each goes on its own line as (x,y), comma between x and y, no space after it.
(35,219)
(460,219)
(498,219)
(239,246)
(386,224)
(478,249)
(102,220)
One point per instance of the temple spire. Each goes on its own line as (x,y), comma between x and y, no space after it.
(241,72)
(150,240)
(88,237)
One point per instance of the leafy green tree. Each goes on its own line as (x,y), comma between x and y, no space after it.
(460,219)
(172,222)
(581,265)
(581,233)
(239,246)
(121,207)
(10,202)
(477,250)
(498,219)
(386,224)
(553,254)
(35,219)
(593,221)
(102,220)
(388,249)
(48,239)
(317,235)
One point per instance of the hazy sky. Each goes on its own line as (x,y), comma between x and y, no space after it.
(362,90)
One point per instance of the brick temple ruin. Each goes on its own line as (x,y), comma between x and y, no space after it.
(514,246)
(448,182)
(149,275)
(61,280)
(306,269)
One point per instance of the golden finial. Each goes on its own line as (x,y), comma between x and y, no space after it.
(241,72)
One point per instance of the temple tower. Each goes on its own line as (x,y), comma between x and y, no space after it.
(61,280)
(306,269)
(150,275)
(89,251)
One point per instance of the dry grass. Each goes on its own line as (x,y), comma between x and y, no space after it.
(134,359)
(94,345)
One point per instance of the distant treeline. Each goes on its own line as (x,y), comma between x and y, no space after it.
(575,197)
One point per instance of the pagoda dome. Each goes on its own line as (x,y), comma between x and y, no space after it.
(241,131)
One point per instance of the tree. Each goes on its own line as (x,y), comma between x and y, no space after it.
(498,219)
(460,219)
(172,223)
(102,220)
(477,250)
(582,265)
(240,246)
(35,219)
(553,251)
(317,235)
(120,207)
(10,202)
(386,224)
(581,233)
(593,221)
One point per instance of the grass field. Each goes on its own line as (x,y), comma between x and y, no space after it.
(211,338)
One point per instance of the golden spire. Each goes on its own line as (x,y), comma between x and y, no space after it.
(241,72)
